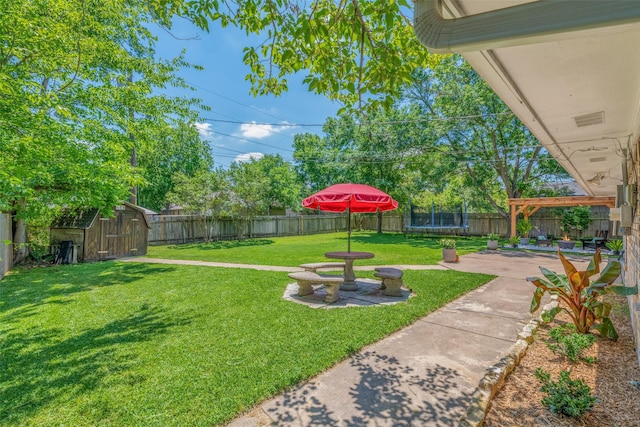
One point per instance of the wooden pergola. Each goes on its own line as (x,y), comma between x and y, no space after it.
(528,206)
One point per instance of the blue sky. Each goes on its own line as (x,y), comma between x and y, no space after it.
(265,122)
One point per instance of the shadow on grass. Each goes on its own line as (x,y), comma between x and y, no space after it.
(40,367)
(426,241)
(44,285)
(385,389)
(391,239)
(226,244)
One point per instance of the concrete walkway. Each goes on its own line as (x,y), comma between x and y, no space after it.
(424,374)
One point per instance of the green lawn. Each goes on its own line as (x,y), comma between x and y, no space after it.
(128,344)
(389,248)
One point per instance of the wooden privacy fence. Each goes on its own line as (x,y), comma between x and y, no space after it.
(547,223)
(171,229)
(185,228)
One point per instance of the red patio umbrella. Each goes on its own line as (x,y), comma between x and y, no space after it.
(351,198)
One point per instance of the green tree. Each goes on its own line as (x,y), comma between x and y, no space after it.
(317,164)
(80,90)
(203,195)
(366,149)
(576,218)
(175,149)
(359,52)
(248,187)
(283,189)
(475,135)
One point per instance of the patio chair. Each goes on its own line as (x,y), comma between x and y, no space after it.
(542,238)
(599,241)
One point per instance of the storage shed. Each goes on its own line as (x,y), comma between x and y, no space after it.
(96,237)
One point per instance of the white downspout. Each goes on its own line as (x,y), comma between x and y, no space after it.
(527,23)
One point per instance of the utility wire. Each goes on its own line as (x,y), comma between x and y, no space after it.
(235,102)
(251,141)
(377,123)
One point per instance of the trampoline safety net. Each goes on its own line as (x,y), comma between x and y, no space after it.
(421,217)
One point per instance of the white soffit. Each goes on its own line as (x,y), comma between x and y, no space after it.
(550,84)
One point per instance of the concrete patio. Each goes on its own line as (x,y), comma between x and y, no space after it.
(426,373)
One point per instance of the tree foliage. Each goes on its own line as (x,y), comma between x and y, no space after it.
(202,195)
(80,89)
(449,140)
(359,52)
(261,184)
(176,149)
(283,188)
(576,218)
(244,191)
(365,149)
(474,135)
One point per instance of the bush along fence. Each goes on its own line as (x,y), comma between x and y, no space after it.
(172,229)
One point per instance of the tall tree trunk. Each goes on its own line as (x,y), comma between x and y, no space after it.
(20,248)
(133,197)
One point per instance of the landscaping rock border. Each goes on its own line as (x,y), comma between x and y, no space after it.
(496,375)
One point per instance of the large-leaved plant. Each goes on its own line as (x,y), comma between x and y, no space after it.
(580,296)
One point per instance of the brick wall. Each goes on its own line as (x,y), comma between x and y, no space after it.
(632,258)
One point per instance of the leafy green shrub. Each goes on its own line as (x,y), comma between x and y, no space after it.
(571,344)
(493,236)
(565,396)
(579,297)
(523,227)
(514,240)
(577,218)
(40,253)
(448,243)
(615,245)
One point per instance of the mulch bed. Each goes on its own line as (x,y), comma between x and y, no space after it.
(518,403)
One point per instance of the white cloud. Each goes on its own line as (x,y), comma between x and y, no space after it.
(247,157)
(258,131)
(205,130)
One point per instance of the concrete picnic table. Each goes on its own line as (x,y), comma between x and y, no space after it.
(349,283)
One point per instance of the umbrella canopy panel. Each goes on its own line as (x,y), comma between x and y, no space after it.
(355,197)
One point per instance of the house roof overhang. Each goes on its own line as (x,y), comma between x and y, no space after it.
(570,74)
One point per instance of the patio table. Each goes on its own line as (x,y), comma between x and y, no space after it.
(349,283)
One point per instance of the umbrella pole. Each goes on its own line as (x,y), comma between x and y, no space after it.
(348,230)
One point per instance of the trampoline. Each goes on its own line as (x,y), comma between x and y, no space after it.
(421,220)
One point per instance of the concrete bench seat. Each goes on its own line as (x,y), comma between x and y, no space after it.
(391,280)
(306,280)
(319,265)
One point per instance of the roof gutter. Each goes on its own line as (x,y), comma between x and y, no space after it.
(528,23)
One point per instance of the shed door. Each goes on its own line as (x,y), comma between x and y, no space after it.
(117,235)
(107,247)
